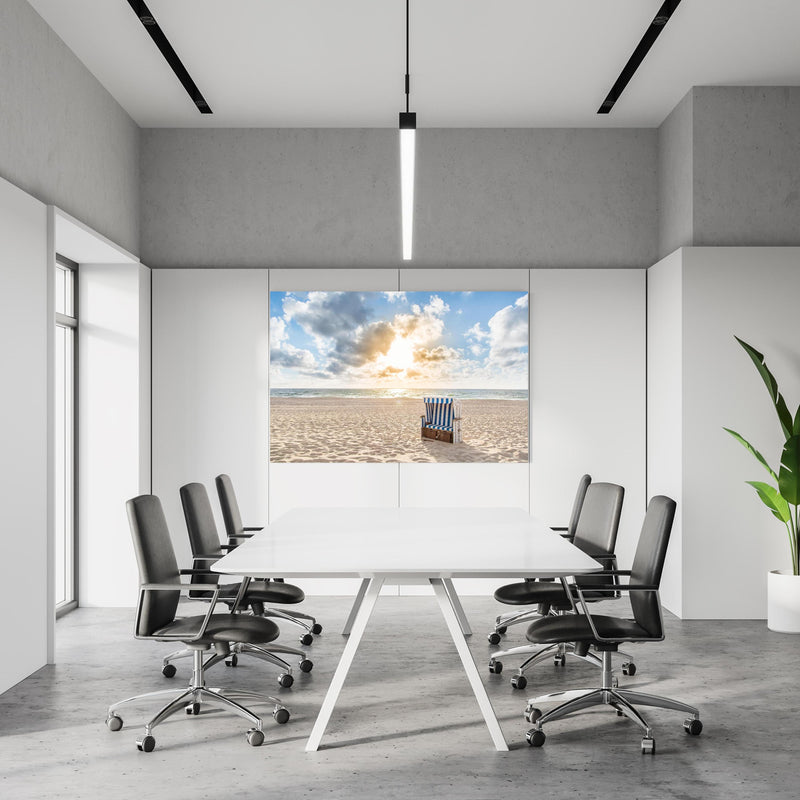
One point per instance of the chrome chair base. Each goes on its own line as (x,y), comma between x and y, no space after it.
(193,698)
(269,654)
(624,701)
(559,653)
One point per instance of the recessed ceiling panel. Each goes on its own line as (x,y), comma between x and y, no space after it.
(508,63)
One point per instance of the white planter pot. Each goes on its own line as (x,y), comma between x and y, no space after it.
(783,601)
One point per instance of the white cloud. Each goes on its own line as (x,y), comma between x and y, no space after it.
(436,307)
(396,297)
(508,335)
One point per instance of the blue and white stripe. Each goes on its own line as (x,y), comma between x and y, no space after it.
(440,413)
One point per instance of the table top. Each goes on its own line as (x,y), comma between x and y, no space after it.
(406,543)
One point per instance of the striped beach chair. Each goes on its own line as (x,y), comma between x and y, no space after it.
(442,419)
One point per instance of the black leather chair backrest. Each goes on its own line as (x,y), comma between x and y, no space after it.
(648,562)
(598,523)
(157,563)
(229,506)
(583,485)
(596,533)
(203,535)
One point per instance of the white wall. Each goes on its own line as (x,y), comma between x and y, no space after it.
(705,296)
(113,425)
(588,391)
(587,383)
(665,409)
(727,533)
(210,351)
(25,328)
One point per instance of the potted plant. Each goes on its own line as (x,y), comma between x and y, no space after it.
(782,499)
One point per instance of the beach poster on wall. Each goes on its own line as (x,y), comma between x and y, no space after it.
(398,376)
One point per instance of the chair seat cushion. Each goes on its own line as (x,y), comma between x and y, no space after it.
(531,593)
(267,592)
(223,628)
(576,628)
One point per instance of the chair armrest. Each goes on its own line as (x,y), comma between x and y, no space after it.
(196,571)
(616,587)
(624,588)
(178,587)
(174,587)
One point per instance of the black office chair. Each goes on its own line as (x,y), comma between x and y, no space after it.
(515,594)
(606,633)
(237,533)
(595,534)
(206,549)
(159,594)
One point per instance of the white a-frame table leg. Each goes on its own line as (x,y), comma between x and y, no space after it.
(372,587)
(351,617)
(455,601)
(454,626)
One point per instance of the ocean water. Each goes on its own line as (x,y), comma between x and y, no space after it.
(414,394)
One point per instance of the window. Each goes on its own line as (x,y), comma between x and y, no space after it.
(66,595)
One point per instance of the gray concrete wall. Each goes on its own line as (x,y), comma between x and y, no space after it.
(316,198)
(675,178)
(746,166)
(63,138)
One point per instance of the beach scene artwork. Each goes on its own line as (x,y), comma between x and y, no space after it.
(349,370)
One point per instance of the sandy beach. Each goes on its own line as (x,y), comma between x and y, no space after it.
(326,429)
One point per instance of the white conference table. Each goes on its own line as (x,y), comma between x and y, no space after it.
(406,546)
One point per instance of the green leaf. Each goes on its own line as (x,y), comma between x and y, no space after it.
(772,500)
(789,475)
(755,452)
(796,425)
(784,417)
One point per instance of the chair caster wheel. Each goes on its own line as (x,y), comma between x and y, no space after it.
(692,726)
(629,668)
(519,681)
(502,629)
(494,637)
(532,713)
(495,667)
(285,680)
(255,738)
(193,709)
(316,629)
(146,744)
(114,722)
(306,639)
(232,661)
(535,737)
(560,660)
(306,665)
(281,716)
(169,670)
(649,745)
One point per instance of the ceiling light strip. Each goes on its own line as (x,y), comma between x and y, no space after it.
(162,43)
(650,35)
(408,131)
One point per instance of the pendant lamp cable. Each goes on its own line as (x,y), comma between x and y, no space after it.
(408,79)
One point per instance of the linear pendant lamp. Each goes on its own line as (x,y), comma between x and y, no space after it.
(408,131)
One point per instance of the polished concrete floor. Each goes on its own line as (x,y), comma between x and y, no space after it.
(407,725)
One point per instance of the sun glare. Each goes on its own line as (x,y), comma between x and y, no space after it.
(401,354)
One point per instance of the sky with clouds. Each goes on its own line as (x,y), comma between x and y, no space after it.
(458,340)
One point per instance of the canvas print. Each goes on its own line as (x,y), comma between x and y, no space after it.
(398,376)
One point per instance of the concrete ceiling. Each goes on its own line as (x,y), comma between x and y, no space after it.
(504,63)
